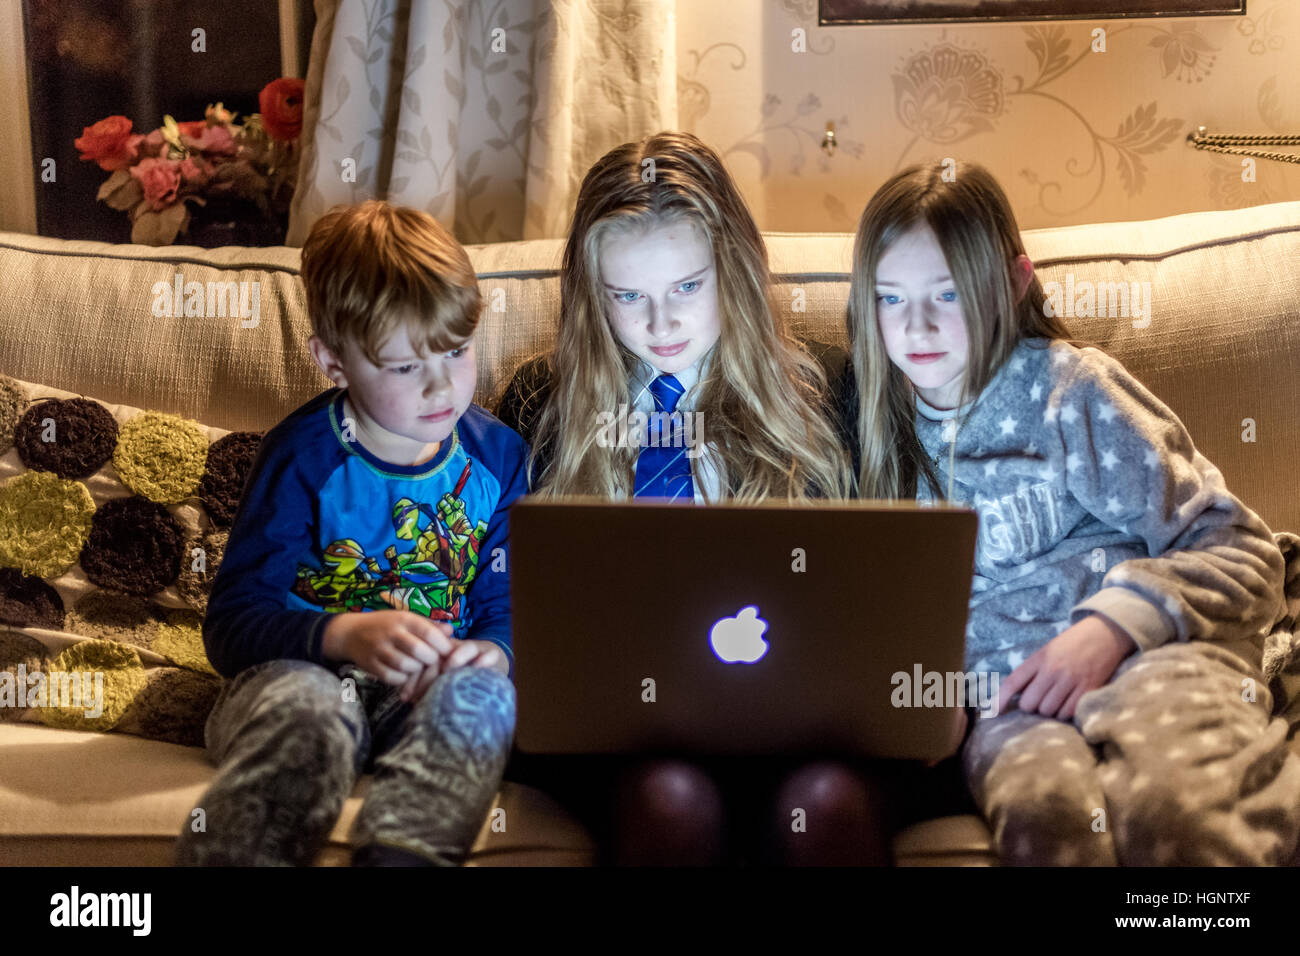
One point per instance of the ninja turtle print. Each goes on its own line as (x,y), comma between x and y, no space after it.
(429,576)
(325,527)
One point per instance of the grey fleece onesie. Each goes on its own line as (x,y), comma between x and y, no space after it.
(1092,499)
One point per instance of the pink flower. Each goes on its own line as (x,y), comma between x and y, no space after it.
(208,139)
(159,178)
(151,145)
(195,172)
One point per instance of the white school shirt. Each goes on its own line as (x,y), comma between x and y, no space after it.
(706,471)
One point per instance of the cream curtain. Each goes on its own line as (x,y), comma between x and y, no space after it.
(484,113)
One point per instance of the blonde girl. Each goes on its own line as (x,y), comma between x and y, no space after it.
(666,306)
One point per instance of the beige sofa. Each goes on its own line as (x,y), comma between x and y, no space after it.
(1217,338)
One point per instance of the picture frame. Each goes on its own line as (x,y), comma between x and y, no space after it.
(877,12)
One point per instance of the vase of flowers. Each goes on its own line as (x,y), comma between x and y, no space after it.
(217,181)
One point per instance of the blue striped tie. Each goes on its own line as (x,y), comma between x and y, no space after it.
(664,472)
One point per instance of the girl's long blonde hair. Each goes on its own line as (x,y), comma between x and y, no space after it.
(976,229)
(765,418)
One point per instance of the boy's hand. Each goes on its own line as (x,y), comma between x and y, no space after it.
(464,654)
(392,645)
(1079,659)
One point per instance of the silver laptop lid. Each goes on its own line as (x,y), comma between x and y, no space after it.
(644,626)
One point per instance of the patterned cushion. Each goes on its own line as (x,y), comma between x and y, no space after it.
(113,521)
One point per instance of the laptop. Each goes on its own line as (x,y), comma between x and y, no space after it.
(650,627)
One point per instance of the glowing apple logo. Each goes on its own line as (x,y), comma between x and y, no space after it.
(739,638)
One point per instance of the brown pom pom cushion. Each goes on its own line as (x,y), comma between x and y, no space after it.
(113,522)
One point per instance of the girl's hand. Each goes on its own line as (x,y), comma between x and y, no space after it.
(1079,659)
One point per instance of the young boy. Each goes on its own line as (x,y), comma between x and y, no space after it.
(386,495)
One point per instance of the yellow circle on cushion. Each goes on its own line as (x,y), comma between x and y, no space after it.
(12,402)
(161,457)
(180,640)
(44,523)
(102,678)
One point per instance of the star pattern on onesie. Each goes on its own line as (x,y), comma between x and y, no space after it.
(1025,480)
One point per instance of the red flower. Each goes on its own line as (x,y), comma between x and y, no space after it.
(108,143)
(160,178)
(281,105)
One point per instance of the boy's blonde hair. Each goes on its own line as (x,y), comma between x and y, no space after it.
(972,220)
(370,267)
(761,399)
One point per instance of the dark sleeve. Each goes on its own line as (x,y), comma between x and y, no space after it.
(525,396)
(521,405)
(841,400)
(247,621)
(845,405)
(489,592)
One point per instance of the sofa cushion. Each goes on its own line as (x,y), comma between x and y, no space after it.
(1221,344)
(70,798)
(946,841)
(142,793)
(81,315)
(1220,347)
(110,534)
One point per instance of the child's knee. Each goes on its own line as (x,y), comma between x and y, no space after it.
(1044,781)
(1059,826)
(1022,744)
(481,694)
(669,790)
(667,813)
(280,695)
(830,790)
(283,682)
(1196,672)
(1233,809)
(830,814)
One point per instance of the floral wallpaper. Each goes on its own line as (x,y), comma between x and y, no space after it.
(1078,127)
(488,114)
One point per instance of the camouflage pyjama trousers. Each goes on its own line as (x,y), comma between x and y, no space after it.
(1169,764)
(290,738)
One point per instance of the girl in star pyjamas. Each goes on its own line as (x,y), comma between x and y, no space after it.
(1121,592)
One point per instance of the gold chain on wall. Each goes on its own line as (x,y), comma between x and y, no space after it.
(1227,143)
